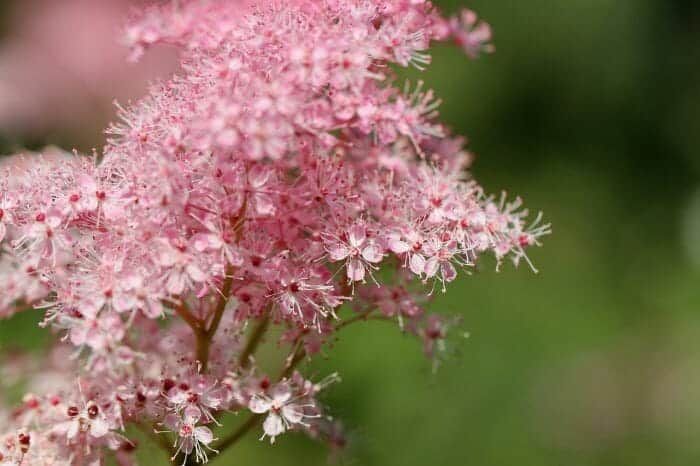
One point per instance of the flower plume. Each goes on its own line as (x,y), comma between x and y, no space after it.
(280,179)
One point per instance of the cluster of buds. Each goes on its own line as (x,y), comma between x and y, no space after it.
(280,180)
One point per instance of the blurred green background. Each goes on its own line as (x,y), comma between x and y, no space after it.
(589,110)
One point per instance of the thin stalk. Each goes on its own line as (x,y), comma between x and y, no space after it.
(365,315)
(159,440)
(183,311)
(205,336)
(253,341)
(223,300)
(292,361)
(238,433)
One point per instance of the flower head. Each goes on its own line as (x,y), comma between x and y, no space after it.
(259,187)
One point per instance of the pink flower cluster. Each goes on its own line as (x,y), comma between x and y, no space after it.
(280,181)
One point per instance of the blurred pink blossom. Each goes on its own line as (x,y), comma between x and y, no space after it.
(61,57)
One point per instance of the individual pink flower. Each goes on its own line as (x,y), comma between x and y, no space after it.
(305,296)
(197,391)
(471,34)
(357,250)
(132,292)
(260,196)
(44,238)
(441,255)
(190,436)
(181,269)
(218,238)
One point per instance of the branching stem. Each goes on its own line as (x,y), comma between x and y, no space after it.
(364,315)
(206,335)
(292,361)
(253,341)
(159,440)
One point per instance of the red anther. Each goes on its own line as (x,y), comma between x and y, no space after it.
(32,402)
(25,439)
(524,240)
(168,384)
(93,411)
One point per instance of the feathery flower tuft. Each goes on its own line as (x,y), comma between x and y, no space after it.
(279,180)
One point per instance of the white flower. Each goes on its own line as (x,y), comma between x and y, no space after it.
(283,412)
(89,420)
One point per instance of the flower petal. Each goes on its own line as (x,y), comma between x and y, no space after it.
(196,273)
(191,415)
(203,435)
(355,270)
(292,414)
(273,426)
(99,427)
(372,253)
(398,246)
(357,235)
(338,252)
(432,266)
(259,404)
(417,264)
